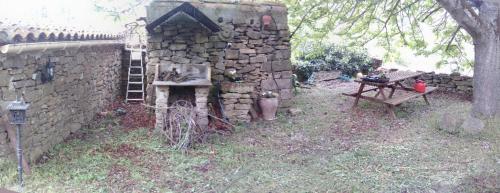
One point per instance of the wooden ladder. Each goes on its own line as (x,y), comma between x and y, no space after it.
(135,85)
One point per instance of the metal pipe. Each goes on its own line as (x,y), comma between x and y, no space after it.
(44,46)
(19,157)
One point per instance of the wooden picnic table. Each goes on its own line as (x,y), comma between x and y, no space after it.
(395,83)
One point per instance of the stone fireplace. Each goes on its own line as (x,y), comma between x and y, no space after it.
(167,95)
(184,69)
(192,46)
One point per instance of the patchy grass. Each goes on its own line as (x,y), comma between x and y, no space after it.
(329,148)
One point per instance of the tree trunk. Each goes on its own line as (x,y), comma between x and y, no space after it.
(487,63)
(487,76)
(485,31)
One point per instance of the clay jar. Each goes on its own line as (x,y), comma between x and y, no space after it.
(269,107)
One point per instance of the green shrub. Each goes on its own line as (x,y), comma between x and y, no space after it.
(313,58)
(304,68)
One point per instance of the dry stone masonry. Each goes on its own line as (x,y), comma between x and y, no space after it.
(260,54)
(86,79)
(454,82)
(238,101)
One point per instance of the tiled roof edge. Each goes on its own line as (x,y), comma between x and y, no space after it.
(13,34)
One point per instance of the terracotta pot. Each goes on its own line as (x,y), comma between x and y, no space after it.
(269,106)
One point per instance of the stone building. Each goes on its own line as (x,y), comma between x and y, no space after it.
(248,40)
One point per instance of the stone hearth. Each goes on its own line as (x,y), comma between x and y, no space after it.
(200,102)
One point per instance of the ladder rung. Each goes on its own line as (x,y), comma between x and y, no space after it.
(135,99)
(135,78)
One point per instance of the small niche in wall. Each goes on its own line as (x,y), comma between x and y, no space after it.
(47,72)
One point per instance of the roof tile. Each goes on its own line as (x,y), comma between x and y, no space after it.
(15,34)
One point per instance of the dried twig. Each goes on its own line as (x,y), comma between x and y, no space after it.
(212,116)
(180,128)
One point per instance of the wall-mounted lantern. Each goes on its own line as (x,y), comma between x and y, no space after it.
(17,117)
(266,20)
(48,72)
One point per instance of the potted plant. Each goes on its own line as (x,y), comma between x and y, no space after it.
(269,105)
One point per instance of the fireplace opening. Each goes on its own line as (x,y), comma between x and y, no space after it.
(186,93)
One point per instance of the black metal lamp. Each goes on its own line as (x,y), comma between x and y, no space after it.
(17,111)
(17,117)
(48,72)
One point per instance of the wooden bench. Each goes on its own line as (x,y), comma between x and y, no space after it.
(405,96)
(397,100)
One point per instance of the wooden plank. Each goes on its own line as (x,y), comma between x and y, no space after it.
(407,96)
(394,77)
(372,83)
(372,99)
(354,93)
(402,75)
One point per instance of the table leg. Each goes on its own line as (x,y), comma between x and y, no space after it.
(426,100)
(381,88)
(393,89)
(390,110)
(360,91)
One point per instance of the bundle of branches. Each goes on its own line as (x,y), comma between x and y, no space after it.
(181,128)
(175,76)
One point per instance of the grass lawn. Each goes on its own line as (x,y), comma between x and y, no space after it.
(328,148)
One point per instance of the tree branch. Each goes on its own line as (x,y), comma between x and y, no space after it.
(431,13)
(453,36)
(303,19)
(457,10)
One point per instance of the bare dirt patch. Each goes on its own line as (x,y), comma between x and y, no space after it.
(132,115)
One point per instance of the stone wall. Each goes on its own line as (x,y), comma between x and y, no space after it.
(454,82)
(86,80)
(260,54)
(237,101)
